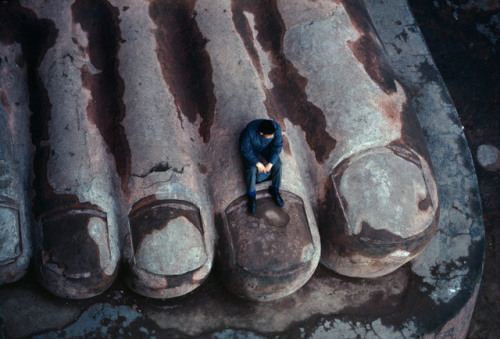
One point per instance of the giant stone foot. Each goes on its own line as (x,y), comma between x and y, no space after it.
(136,108)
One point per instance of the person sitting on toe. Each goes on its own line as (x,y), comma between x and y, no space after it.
(261,143)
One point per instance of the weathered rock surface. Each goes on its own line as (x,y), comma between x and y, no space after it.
(153,177)
(15,244)
(131,116)
(171,245)
(270,254)
(378,197)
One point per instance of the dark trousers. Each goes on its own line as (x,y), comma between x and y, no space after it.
(252,176)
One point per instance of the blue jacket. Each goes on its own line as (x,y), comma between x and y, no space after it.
(252,143)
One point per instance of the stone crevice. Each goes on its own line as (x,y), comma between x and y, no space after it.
(161,167)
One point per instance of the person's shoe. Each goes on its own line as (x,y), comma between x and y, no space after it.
(252,204)
(276,196)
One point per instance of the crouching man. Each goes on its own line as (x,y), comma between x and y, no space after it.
(260,145)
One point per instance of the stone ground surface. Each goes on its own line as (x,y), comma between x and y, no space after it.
(464,39)
(118,312)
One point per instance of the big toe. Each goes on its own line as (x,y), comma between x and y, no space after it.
(388,199)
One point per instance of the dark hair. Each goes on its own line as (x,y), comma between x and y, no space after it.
(266,127)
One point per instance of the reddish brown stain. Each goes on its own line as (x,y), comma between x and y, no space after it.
(5,103)
(65,241)
(331,221)
(412,134)
(287,98)
(185,63)
(424,204)
(149,200)
(390,110)
(286,145)
(46,199)
(36,36)
(202,168)
(106,108)
(243,265)
(367,50)
(288,228)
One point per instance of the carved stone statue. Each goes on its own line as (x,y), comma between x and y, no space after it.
(119,146)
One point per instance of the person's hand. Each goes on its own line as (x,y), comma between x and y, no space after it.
(268,167)
(260,167)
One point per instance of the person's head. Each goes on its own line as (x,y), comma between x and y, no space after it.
(267,129)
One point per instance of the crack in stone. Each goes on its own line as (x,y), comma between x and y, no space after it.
(161,167)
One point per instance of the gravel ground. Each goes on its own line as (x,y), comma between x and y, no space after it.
(463,37)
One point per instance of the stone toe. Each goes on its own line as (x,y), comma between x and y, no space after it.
(169,252)
(388,201)
(269,254)
(75,260)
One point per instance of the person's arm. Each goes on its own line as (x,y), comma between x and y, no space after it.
(246,148)
(277,145)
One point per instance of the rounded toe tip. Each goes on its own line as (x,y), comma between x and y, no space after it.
(268,255)
(75,260)
(170,257)
(389,201)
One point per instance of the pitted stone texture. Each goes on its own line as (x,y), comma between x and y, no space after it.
(451,265)
(270,254)
(71,164)
(210,310)
(170,255)
(177,248)
(168,116)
